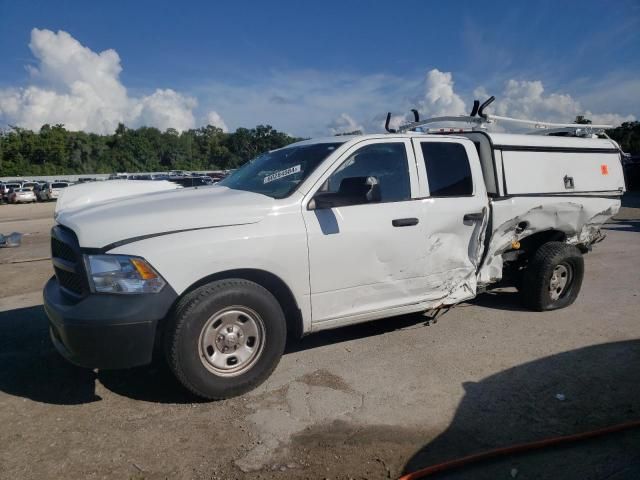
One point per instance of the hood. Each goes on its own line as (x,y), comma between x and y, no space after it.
(160,213)
(79,196)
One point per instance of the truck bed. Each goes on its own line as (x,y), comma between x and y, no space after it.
(545,184)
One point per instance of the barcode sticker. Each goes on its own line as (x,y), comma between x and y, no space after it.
(282,173)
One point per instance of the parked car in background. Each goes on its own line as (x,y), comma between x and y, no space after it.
(7,188)
(38,189)
(30,185)
(192,181)
(216,176)
(51,191)
(22,195)
(118,176)
(145,176)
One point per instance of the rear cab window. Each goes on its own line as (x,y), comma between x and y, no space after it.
(448,169)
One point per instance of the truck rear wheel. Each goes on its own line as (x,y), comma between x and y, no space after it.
(553,277)
(225,338)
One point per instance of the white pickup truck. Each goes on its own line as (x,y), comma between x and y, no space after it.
(317,235)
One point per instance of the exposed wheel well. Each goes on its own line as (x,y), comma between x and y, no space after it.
(271,282)
(516,260)
(533,242)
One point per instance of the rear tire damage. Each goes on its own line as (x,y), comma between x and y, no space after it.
(553,277)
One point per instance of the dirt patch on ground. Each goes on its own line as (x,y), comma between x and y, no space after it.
(324,378)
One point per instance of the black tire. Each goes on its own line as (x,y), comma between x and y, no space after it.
(186,327)
(537,277)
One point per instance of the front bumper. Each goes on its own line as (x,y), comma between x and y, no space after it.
(105,331)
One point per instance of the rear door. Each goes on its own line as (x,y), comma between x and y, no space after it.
(455,212)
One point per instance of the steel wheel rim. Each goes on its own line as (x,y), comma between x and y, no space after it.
(231,341)
(560,281)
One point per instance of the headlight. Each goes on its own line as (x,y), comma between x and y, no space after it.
(122,274)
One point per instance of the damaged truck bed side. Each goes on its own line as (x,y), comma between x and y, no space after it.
(544,189)
(320,234)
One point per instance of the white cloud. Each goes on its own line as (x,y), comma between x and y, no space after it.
(214,119)
(343,124)
(528,100)
(166,109)
(80,88)
(439,97)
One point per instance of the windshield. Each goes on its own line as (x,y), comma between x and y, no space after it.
(277,174)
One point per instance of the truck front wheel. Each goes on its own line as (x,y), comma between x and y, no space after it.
(553,277)
(225,338)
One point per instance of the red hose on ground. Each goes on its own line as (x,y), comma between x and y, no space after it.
(514,449)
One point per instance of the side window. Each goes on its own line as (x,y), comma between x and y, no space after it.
(448,171)
(387,162)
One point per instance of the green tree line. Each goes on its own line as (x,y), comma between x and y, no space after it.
(55,150)
(628,136)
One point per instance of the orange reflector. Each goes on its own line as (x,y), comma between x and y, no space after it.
(604,169)
(143,268)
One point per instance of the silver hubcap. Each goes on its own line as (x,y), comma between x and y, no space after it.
(231,341)
(560,280)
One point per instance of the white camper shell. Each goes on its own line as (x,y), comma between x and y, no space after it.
(320,234)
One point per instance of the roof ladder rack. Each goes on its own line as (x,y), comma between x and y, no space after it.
(478,120)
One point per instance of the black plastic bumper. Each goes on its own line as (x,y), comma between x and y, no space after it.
(105,331)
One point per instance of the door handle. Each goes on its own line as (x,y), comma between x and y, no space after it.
(404,222)
(473,217)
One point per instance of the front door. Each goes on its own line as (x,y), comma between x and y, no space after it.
(367,255)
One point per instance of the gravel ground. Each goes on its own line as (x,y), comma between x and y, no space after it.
(369,401)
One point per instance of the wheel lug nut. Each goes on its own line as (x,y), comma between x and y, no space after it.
(220,338)
(229,329)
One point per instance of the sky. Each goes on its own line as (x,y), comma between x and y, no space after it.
(313,68)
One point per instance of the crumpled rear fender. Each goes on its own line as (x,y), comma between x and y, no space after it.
(517,218)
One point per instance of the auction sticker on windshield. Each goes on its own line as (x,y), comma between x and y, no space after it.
(282,173)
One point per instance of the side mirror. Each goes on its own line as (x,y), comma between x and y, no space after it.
(352,191)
